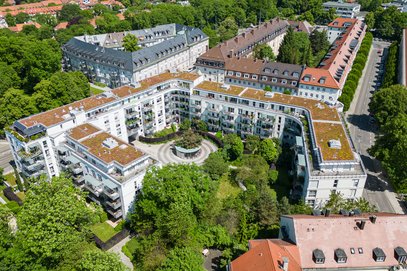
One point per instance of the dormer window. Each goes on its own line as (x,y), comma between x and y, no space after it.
(378,255)
(307,78)
(230,72)
(264,78)
(400,254)
(246,75)
(254,76)
(284,81)
(266,70)
(274,80)
(238,74)
(340,256)
(318,256)
(296,74)
(322,80)
(275,71)
(294,83)
(285,73)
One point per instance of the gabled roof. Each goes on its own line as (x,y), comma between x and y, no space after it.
(267,255)
(318,77)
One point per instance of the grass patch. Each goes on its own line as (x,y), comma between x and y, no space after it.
(103,231)
(283,184)
(95,91)
(226,188)
(129,248)
(164,132)
(21,195)
(10,179)
(2,195)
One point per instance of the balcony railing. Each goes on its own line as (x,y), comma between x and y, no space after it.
(114,204)
(96,190)
(111,194)
(115,214)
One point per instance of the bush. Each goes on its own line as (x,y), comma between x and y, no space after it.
(13,206)
(219,135)
(103,217)
(99,84)
(18,181)
(390,76)
(273,176)
(185,125)
(287,92)
(120,226)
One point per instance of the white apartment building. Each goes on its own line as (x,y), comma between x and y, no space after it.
(47,143)
(345,10)
(165,48)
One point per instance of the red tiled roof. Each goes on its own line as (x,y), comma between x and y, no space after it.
(315,75)
(267,255)
(339,22)
(19,27)
(61,25)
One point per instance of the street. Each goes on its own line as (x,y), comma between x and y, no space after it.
(362,128)
(5,156)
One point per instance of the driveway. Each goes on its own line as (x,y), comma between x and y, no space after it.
(118,250)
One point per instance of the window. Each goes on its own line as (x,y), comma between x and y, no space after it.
(340,256)
(353,193)
(352,250)
(274,80)
(336,183)
(360,250)
(284,81)
(254,76)
(246,75)
(355,182)
(318,256)
(238,74)
(264,78)
(294,83)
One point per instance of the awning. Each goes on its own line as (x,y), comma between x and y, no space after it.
(298,141)
(301,160)
(73,160)
(110,184)
(92,180)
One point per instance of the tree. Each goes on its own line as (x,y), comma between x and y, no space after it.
(227,29)
(319,41)
(253,171)
(68,12)
(22,18)
(185,125)
(61,88)
(14,105)
(270,150)
(53,218)
(233,146)
(388,102)
(130,43)
(215,165)
(252,143)
(189,140)
(263,52)
(183,259)
(46,19)
(10,20)
(288,52)
(97,260)
(8,78)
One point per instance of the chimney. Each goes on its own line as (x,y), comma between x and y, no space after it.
(230,53)
(285,263)
(244,35)
(373,219)
(362,224)
(327,212)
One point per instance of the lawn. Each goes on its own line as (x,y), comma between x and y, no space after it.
(3,197)
(21,195)
(103,230)
(129,248)
(10,179)
(226,188)
(95,91)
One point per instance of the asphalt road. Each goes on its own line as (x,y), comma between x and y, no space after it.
(5,156)
(362,128)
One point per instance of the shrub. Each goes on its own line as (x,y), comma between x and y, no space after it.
(185,125)
(13,206)
(18,180)
(272,176)
(219,135)
(103,217)
(287,92)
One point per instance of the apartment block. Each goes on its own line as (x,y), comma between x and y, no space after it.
(325,158)
(165,48)
(345,10)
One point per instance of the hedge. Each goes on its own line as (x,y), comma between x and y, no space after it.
(390,75)
(359,63)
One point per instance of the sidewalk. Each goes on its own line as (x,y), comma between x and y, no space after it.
(118,250)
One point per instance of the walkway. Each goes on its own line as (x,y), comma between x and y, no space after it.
(118,250)
(164,154)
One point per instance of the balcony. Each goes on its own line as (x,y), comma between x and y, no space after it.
(248,118)
(37,165)
(76,169)
(212,109)
(114,205)
(79,181)
(115,214)
(93,185)
(132,114)
(112,194)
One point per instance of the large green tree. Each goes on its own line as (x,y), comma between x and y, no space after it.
(227,29)
(263,52)
(233,146)
(97,260)
(183,259)
(215,165)
(130,43)
(270,150)
(8,78)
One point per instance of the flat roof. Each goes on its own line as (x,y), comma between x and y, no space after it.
(221,88)
(93,138)
(325,131)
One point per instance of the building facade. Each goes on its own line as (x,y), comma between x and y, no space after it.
(325,158)
(344,10)
(165,48)
(402,69)
(351,241)
(231,63)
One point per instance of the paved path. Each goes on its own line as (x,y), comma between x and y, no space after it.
(5,157)
(164,153)
(118,250)
(377,190)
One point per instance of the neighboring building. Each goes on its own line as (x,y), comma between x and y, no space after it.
(344,10)
(213,63)
(325,159)
(402,70)
(165,48)
(375,241)
(230,62)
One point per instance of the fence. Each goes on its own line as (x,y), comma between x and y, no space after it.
(112,241)
(10,195)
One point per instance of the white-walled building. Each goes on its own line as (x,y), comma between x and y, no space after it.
(345,10)
(101,58)
(325,159)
